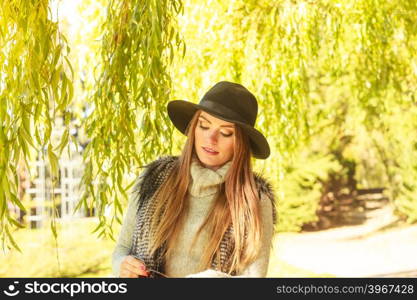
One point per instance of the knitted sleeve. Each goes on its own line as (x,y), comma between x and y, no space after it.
(124,242)
(259,267)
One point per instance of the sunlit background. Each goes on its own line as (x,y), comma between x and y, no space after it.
(83,90)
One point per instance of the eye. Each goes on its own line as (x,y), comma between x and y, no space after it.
(202,127)
(226,135)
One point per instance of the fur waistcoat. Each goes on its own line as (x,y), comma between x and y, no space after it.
(153,176)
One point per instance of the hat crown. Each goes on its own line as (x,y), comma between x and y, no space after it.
(234,97)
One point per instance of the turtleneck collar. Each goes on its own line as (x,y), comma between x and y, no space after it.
(205,181)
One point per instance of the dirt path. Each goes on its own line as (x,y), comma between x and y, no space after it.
(378,248)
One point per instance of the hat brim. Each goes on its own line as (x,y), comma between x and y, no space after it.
(181,112)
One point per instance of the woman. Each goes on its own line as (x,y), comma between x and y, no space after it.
(204,213)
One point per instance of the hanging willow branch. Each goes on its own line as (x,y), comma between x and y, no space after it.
(341,65)
(129,126)
(321,70)
(34,90)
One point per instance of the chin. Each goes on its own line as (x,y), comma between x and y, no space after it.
(209,162)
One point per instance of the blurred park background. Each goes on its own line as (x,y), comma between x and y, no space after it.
(83,90)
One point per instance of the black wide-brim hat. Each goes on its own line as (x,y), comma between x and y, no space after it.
(228,101)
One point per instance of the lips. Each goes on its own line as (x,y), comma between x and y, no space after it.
(210,151)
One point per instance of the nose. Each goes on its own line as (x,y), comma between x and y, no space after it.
(213,137)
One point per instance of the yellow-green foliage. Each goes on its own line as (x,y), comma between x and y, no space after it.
(321,70)
(128,124)
(301,189)
(79,253)
(35,88)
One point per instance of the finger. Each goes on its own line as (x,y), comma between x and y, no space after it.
(135,262)
(135,270)
(137,265)
(127,274)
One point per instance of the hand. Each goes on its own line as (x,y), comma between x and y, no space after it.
(132,267)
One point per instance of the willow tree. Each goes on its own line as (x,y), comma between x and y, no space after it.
(128,125)
(35,89)
(323,71)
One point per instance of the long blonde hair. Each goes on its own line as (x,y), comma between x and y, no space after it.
(237,203)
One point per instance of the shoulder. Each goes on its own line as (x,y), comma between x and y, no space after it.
(153,173)
(265,190)
(159,164)
(263,185)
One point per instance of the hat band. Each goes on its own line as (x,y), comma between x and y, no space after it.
(224,111)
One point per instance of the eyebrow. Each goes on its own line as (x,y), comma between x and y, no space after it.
(231,126)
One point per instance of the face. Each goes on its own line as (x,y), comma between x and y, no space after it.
(214,141)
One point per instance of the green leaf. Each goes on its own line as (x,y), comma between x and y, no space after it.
(26,136)
(56,56)
(15,223)
(11,239)
(63,143)
(53,161)
(53,229)
(16,201)
(118,206)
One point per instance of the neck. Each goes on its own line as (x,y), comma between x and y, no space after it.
(205,180)
(214,168)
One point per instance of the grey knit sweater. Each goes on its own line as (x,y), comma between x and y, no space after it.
(184,261)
